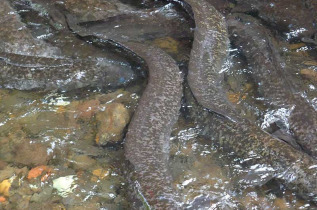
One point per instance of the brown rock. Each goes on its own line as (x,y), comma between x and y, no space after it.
(31,154)
(111,123)
(2,165)
(119,96)
(6,173)
(309,74)
(39,122)
(86,205)
(83,162)
(86,109)
(58,206)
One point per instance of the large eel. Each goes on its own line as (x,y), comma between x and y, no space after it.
(255,42)
(242,137)
(295,19)
(297,169)
(252,145)
(23,72)
(16,38)
(140,26)
(147,141)
(209,51)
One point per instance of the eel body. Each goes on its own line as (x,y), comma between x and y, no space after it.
(275,86)
(140,26)
(17,38)
(209,51)
(295,169)
(244,138)
(23,72)
(147,140)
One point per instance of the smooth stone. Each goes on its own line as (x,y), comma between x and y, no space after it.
(111,123)
(31,154)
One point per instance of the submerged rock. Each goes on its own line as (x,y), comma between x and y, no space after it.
(84,109)
(2,165)
(42,196)
(65,185)
(83,162)
(111,123)
(310,74)
(36,123)
(25,154)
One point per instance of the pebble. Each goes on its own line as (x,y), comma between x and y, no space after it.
(309,74)
(83,162)
(58,206)
(25,154)
(2,165)
(39,122)
(65,185)
(84,109)
(6,173)
(43,196)
(91,205)
(111,123)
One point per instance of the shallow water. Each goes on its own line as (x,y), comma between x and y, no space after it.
(52,155)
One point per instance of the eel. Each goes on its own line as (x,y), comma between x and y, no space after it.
(24,72)
(209,51)
(140,26)
(295,169)
(17,38)
(147,140)
(148,134)
(293,19)
(239,135)
(256,43)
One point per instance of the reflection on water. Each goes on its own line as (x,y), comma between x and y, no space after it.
(57,152)
(58,133)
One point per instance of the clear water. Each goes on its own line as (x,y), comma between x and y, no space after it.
(59,132)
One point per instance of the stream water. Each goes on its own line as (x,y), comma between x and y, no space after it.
(64,149)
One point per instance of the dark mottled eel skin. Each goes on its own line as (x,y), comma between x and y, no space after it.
(260,50)
(24,72)
(209,51)
(298,170)
(147,141)
(295,169)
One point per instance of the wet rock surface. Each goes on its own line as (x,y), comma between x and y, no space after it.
(111,124)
